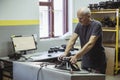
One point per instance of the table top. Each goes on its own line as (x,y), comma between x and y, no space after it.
(51,67)
(36,56)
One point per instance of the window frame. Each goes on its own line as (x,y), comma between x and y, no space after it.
(51,17)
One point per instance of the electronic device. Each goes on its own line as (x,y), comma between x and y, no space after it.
(22,44)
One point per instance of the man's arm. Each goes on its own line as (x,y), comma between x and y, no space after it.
(71,43)
(85,48)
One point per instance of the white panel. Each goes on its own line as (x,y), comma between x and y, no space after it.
(18,9)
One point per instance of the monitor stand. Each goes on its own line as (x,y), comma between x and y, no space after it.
(23,52)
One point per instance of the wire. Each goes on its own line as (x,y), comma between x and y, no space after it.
(41,66)
(38,73)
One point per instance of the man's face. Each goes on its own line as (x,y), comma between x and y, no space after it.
(83,18)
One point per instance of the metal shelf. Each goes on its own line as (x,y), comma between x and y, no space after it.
(110,44)
(115,14)
(113,11)
(109,29)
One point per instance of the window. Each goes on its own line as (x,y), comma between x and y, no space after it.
(53,18)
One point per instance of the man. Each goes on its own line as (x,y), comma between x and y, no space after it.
(90,33)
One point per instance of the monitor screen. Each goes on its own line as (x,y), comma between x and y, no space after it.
(24,43)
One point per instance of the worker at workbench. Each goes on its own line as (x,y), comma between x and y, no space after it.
(92,52)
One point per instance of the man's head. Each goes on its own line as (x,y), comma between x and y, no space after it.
(83,15)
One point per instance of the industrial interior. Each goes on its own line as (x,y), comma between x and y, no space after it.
(58,39)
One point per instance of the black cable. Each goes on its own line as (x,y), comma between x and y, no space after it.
(30,58)
(41,66)
(24,57)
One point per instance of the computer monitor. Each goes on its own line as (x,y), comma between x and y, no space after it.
(23,43)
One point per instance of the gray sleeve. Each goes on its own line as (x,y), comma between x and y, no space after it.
(77,29)
(97,30)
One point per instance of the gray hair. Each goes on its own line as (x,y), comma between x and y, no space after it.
(85,10)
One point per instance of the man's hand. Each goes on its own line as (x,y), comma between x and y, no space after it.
(61,56)
(73,59)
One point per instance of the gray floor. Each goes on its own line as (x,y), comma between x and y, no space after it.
(108,77)
(115,77)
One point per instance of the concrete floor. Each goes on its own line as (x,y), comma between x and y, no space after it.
(115,77)
(108,77)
